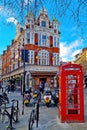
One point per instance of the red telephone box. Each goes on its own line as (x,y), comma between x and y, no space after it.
(71,96)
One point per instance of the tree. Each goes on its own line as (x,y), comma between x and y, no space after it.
(75,10)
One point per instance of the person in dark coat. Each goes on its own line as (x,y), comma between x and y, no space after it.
(0,86)
(12,87)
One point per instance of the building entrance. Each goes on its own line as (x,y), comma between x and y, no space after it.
(43,81)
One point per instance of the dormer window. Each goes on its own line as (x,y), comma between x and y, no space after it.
(43,23)
(30,21)
(55,26)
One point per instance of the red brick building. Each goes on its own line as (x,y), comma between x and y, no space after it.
(41,38)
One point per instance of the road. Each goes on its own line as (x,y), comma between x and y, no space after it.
(48,117)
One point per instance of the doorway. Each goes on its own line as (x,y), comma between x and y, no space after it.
(43,81)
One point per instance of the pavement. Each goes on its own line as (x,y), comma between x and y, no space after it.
(49,119)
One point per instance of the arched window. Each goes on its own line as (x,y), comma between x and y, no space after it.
(43,57)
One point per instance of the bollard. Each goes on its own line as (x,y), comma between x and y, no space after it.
(17,110)
(37,114)
(23,105)
(11,116)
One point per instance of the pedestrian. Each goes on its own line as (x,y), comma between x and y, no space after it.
(86,82)
(0,85)
(46,86)
(41,88)
(12,87)
(7,88)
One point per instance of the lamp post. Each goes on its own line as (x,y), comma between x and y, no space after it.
(24,59)
(24,73)
(23,89)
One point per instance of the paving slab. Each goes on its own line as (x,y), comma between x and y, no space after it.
(49,119)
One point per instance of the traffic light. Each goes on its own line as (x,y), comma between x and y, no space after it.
(24,55)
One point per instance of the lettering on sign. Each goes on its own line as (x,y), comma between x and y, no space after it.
(41,68)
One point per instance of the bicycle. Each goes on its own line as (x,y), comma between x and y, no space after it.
(3,100)
(34,116)
(15,111)
(5,122)
(31,120)
(7,117)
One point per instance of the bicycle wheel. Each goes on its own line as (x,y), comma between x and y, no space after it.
(31,121)
(30,124)
(15,114)
(5,121)
(0,112)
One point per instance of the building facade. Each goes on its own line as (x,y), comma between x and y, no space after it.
(81,59)
(0,67)
(39,38)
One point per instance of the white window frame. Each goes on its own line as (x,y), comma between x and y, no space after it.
(44,22)
(43,41)
(39,39)
(28,37)
(55,59)
(31,38)
(43,57)
(31,57)
(55,41)
(55,26)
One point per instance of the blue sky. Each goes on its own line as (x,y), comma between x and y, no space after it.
(71,42)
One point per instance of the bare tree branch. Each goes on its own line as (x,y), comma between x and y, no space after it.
(61,9)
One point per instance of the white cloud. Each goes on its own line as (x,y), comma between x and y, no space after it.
(76,43)
(1,8)
(76,52)
(63,49)
(12,20)
(68,51)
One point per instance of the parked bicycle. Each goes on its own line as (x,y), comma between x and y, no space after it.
(8,116)
(4,98)
(34,116)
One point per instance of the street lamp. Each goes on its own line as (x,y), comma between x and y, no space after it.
(24,73)
(23,88)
